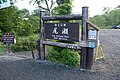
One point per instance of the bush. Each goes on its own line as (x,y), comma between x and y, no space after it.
(64,56)
(24,43)
(2,49)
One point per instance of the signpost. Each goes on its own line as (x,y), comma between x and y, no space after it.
(69,32)
(8,38)
(4,3)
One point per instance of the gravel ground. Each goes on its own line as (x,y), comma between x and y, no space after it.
(21,66)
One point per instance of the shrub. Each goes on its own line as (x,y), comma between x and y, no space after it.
(2,49)
(70,57)
(24,43)
(64,56)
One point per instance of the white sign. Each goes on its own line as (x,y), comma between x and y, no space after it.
(4,3)
(92,34)
(55,31)
(65,31)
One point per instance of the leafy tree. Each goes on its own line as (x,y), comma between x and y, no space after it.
(61,55)
(49,5)
(106,10)
(30,23)
(118,7)
(98,20)
(8,19)
(18,21)
(36,12)
(24,13)
(115,14)
(26,28)
(34,22)
(111,17)
(64,7)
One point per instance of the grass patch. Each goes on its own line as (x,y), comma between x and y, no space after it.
(2,49)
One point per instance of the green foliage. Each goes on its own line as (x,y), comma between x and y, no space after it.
(65,56)
(60,55)
(24,43)
(8,18)
(22,24)
(63,9)
(34,23)
(18,21)
(58,49)
(2,49)
(25,13)
(28,25)
(25,29)
(48,5)
(98,20)
(108,19)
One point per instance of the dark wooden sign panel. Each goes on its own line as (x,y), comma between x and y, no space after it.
(8,38)
(62,31)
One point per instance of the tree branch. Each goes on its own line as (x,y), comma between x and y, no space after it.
(52,3)
(47,4)
(43,8)
(48,7)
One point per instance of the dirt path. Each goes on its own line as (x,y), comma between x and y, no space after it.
(21,66)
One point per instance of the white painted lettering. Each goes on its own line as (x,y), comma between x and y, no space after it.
(55,31)
(64,24)
(65,31)
(55,24)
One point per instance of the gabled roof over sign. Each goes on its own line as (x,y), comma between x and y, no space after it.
(92,25)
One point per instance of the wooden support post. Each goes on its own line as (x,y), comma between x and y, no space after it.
(9,48)
(84,37)
(89,58)
(83,58)
(31,48)
(44,55)
(41,54)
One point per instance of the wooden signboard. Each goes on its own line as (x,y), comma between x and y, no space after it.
(62,31)
(68,32)
(8,38)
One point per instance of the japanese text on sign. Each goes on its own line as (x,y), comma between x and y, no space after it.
(62,31)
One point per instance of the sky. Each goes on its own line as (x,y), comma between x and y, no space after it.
(95,6)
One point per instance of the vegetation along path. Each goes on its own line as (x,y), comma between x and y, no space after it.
(15,67)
